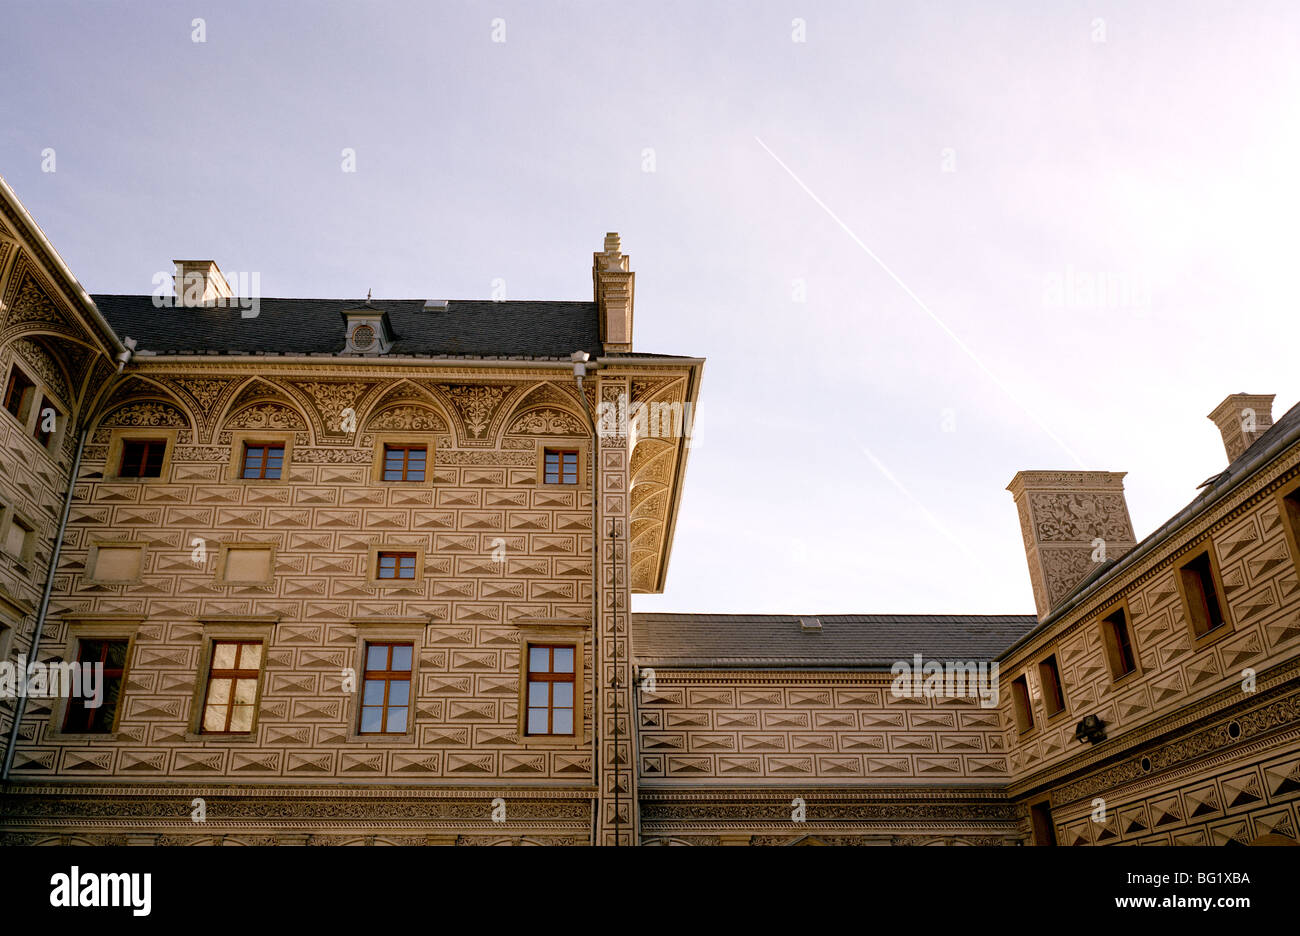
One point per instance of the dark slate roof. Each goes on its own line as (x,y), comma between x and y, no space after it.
(845,640)
(476,328)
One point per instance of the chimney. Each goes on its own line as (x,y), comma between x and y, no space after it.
(199,283)
(614,283)
(1242,418)
(1072,521)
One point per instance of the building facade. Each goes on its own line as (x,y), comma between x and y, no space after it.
(360,572)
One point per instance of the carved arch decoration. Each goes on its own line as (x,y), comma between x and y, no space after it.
(547,409)
(652,467)
(406,407)
(260,404)
(143,403)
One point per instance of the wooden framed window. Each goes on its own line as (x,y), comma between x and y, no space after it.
(18,394)
(561,466)
(386,688)
(230,703)
(550,689)
(142,458)
(80,717)
(262,460)
(1202,599)
(1118,641)
(405,462)
(1020,701)
(1049,674)
(396,565)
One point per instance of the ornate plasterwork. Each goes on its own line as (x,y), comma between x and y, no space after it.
(1080,515)
(329,400)
(548,421)
(652,470)
(476,407)
(150,413)
(265,415)
(41,361)
(407,417)
(29,307)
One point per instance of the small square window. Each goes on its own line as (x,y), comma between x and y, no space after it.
(405,462)
(19,394)
(230,702)
(142,458)
(396,565)
(561,466)
(550,690)
(262,460)
(386,688)
(84,716)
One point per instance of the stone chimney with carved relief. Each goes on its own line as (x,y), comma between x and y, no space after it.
(1242,418)
(614,284)
(1072,522)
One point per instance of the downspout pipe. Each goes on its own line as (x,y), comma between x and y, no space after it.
(20,703)
(580,359)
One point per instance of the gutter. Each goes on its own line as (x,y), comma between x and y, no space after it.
(1159,536)
(87,304)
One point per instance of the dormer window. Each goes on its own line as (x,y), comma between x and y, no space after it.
(368,330)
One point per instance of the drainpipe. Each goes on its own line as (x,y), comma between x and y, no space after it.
(20,703)
(580,359)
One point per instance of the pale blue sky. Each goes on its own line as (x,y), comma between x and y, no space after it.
(1165,157)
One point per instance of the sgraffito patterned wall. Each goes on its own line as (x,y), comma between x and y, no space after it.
(1174,771)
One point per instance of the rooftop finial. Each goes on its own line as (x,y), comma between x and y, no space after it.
(368,297)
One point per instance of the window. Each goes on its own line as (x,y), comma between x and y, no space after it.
(1290,510)
(550,690)
(396,565)
(404,462)
(83,715)
(1119,645)
(46,422)
(18,538)
(231,700)
(386,691)
(262,460)
(1201,595)
(1053,694)
(561,466)
(142,458)
(1020,698)
(1044,827)
(18,394)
